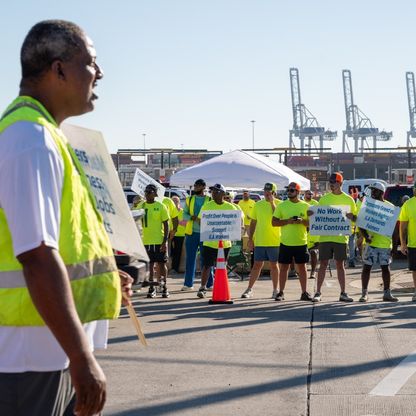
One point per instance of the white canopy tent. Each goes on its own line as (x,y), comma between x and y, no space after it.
(239,169)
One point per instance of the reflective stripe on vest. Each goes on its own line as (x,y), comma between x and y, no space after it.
(15,278)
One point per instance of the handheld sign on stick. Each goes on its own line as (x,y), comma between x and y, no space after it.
(135,320)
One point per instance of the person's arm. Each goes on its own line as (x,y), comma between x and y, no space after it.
(251,230)
(277,222)
(175,223)
(164,245)
(403,236)
(365,234)
(48,284)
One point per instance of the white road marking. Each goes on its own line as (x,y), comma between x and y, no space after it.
(397,378)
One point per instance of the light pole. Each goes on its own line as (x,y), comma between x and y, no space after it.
(252,132)
(144,140)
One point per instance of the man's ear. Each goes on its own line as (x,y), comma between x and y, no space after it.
(57,69)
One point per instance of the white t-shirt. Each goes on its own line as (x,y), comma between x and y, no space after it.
(31,178)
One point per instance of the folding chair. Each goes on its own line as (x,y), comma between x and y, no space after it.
(237,260)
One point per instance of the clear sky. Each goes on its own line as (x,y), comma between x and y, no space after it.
(193,73)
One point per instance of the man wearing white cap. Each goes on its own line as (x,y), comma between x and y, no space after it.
(377,250)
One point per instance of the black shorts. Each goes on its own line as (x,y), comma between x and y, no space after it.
(154,253)
(209,256)
(298,253)
(411,258)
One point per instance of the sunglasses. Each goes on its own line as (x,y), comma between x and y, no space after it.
(291,189)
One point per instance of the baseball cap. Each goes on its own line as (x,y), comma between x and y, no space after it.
(217,187)
(378,185)
(200,182)
(151,187)
(336,178)
(293,185)
(269,186)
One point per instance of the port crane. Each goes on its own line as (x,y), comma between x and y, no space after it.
(305,124)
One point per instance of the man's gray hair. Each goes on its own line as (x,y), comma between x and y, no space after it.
(48,41)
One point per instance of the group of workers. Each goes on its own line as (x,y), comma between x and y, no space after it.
(277,232)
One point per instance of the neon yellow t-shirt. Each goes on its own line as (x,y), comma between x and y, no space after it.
(213,206)
(246,207)
(408,213)
(152,221)
(172,211)
(379,240)
(292,234)
(265,234)
(341,199)
(312,239)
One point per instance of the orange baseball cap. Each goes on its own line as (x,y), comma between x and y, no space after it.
(336,178)
(294,185)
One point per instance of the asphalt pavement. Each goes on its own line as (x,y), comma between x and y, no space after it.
(262,357)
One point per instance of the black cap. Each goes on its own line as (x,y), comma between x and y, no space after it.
(151,187)
(200,182)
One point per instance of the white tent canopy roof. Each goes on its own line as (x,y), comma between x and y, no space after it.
(239,169)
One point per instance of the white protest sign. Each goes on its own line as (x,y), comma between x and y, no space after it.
(141,180)
(378,217)
(221,225)
(92,153)
(329,220)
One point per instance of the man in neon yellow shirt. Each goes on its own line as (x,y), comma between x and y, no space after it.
(408,234)
(291,216)
(313,240)
(246,204)
(333,246)
(377,250)
(264,239)
(155,223)
(173,216)
(210,248)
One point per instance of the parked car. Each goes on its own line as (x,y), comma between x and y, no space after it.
(254,196)
(395,193)
(359,184)
(180,192)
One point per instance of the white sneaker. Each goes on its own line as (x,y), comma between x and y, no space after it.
(248,293)
(317,297)
(187,289)
(364,297)
(274,294)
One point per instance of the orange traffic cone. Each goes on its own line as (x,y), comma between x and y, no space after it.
(221,291)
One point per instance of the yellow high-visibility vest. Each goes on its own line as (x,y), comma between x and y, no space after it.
(83,242)
(190,202)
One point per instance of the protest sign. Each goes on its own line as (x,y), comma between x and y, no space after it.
(221,225)
(329,220)
(378,217)
(141,180)
(90,148)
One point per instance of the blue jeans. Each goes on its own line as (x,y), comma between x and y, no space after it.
(192,244)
